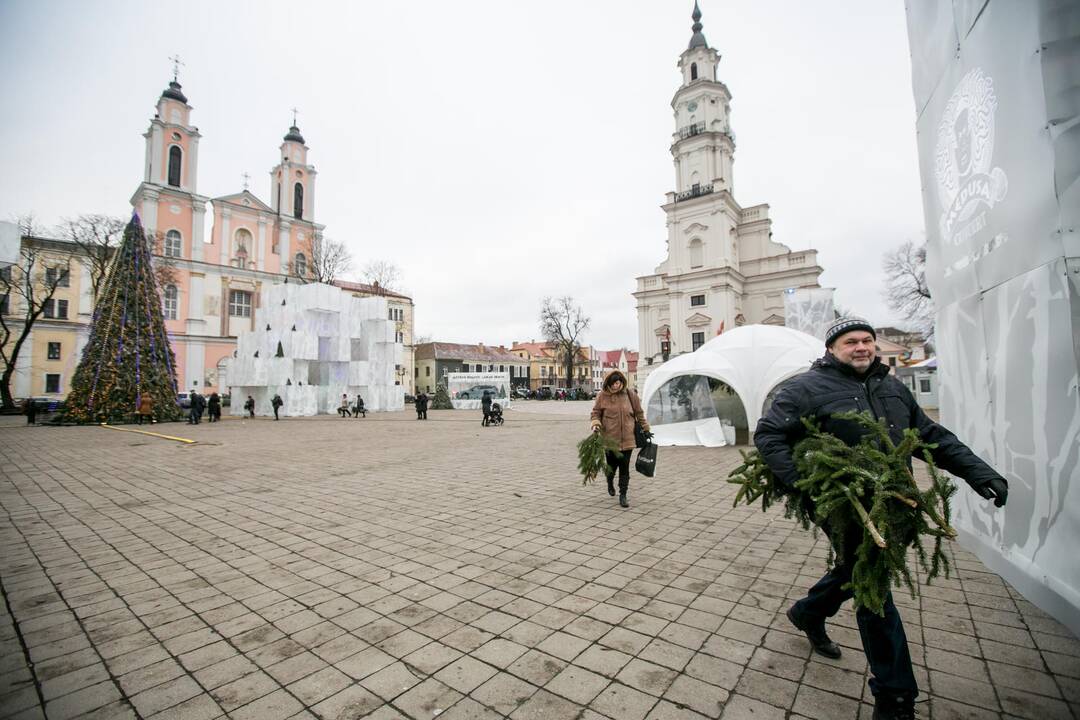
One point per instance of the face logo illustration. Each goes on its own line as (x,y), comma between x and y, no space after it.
(968,185)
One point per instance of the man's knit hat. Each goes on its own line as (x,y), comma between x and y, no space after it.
(847,324)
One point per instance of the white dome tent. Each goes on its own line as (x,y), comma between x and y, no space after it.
(752,360)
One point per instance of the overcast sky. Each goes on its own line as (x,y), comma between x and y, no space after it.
(497,152)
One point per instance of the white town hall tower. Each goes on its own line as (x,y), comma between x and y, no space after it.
(722,268)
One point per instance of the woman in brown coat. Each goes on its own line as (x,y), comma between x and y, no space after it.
(616,409)
(146,408)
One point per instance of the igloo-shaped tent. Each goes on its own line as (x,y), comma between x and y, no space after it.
(752,360)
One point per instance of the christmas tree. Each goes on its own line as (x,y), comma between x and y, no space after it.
(441,401)
(128,356)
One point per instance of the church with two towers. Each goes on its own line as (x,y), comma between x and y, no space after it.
(723,268)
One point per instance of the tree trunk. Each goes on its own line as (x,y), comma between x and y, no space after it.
(5,379)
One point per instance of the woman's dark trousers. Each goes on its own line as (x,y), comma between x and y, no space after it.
(620,461)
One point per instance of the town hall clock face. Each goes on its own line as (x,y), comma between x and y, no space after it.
(692,106)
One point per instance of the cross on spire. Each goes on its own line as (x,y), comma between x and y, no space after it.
(177,62)
(246,179)
(294,113)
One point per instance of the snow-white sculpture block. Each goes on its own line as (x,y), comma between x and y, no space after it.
(312,343)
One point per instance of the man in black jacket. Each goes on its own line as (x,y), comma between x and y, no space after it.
(851,378)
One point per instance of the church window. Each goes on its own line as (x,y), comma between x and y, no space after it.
(239,303)
(300,265)
(693,71)
(697,300)
(697,339)
(697,253)
(173,244)
(170,302)
(298,200)
(175,155)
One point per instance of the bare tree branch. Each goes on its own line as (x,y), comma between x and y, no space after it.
(906,291)
(26,289)
(382,273)
(562,323)
(96,236)
(325,260)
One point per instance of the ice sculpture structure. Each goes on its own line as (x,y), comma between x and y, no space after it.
(311,344)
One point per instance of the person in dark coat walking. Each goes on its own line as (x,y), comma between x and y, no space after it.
(193,408)
(200,408)
(249,405)
(213,407)
(485,405)
(421,404)
(851,378)
(359,409)
(276,403)
(30,410)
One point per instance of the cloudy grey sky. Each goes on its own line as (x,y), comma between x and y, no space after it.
(497,152)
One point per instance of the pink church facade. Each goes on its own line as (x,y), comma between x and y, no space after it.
(217,280)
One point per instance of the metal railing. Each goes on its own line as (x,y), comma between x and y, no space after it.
(691,130)
(695,191)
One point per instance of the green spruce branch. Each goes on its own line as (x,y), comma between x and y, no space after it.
(865,490)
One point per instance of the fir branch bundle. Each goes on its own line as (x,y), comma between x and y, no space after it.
(867,488)
(592,456)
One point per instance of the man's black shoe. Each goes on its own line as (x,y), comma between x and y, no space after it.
(611,487)
(823,645)
(894,707)
(622,500)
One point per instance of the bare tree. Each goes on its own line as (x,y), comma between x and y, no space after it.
(26,289)
(164,265)
(325,260)
(561,323)
(97,237)
(906,291)
(383,274)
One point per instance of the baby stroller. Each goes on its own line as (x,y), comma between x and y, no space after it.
(495,417)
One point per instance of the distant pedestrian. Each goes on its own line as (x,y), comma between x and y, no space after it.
(249,405)
(423,400)
(30,409)
(614,413)
(145,409)
(343,409)
(277,402)
(193,408)
(359,409)
(485,405)
(200,408)
(213,407)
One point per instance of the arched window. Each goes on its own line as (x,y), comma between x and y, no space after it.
(693,71)
(175,155)
(300,265)
(697,253)
(173,244)
(298,200)
(242,242)
(171,302)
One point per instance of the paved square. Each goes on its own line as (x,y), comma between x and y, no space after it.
(389,568)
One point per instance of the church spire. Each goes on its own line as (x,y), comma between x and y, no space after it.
(698,38)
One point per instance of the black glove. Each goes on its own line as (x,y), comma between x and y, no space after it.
(996,489)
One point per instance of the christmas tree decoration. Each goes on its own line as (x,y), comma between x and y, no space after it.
(441,401)
(868,486)
(592,456)
(128,356)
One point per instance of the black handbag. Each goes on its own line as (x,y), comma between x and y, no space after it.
(646,460)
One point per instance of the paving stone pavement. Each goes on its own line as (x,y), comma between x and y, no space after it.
(388,568)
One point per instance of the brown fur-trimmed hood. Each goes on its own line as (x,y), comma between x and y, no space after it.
(612,377)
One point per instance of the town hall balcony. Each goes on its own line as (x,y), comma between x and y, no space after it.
(693,192)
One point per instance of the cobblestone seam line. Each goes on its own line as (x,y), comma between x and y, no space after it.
(22,644)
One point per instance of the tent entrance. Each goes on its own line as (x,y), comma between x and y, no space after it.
(697,410)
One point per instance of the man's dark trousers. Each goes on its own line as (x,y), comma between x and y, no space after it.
(883,638)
